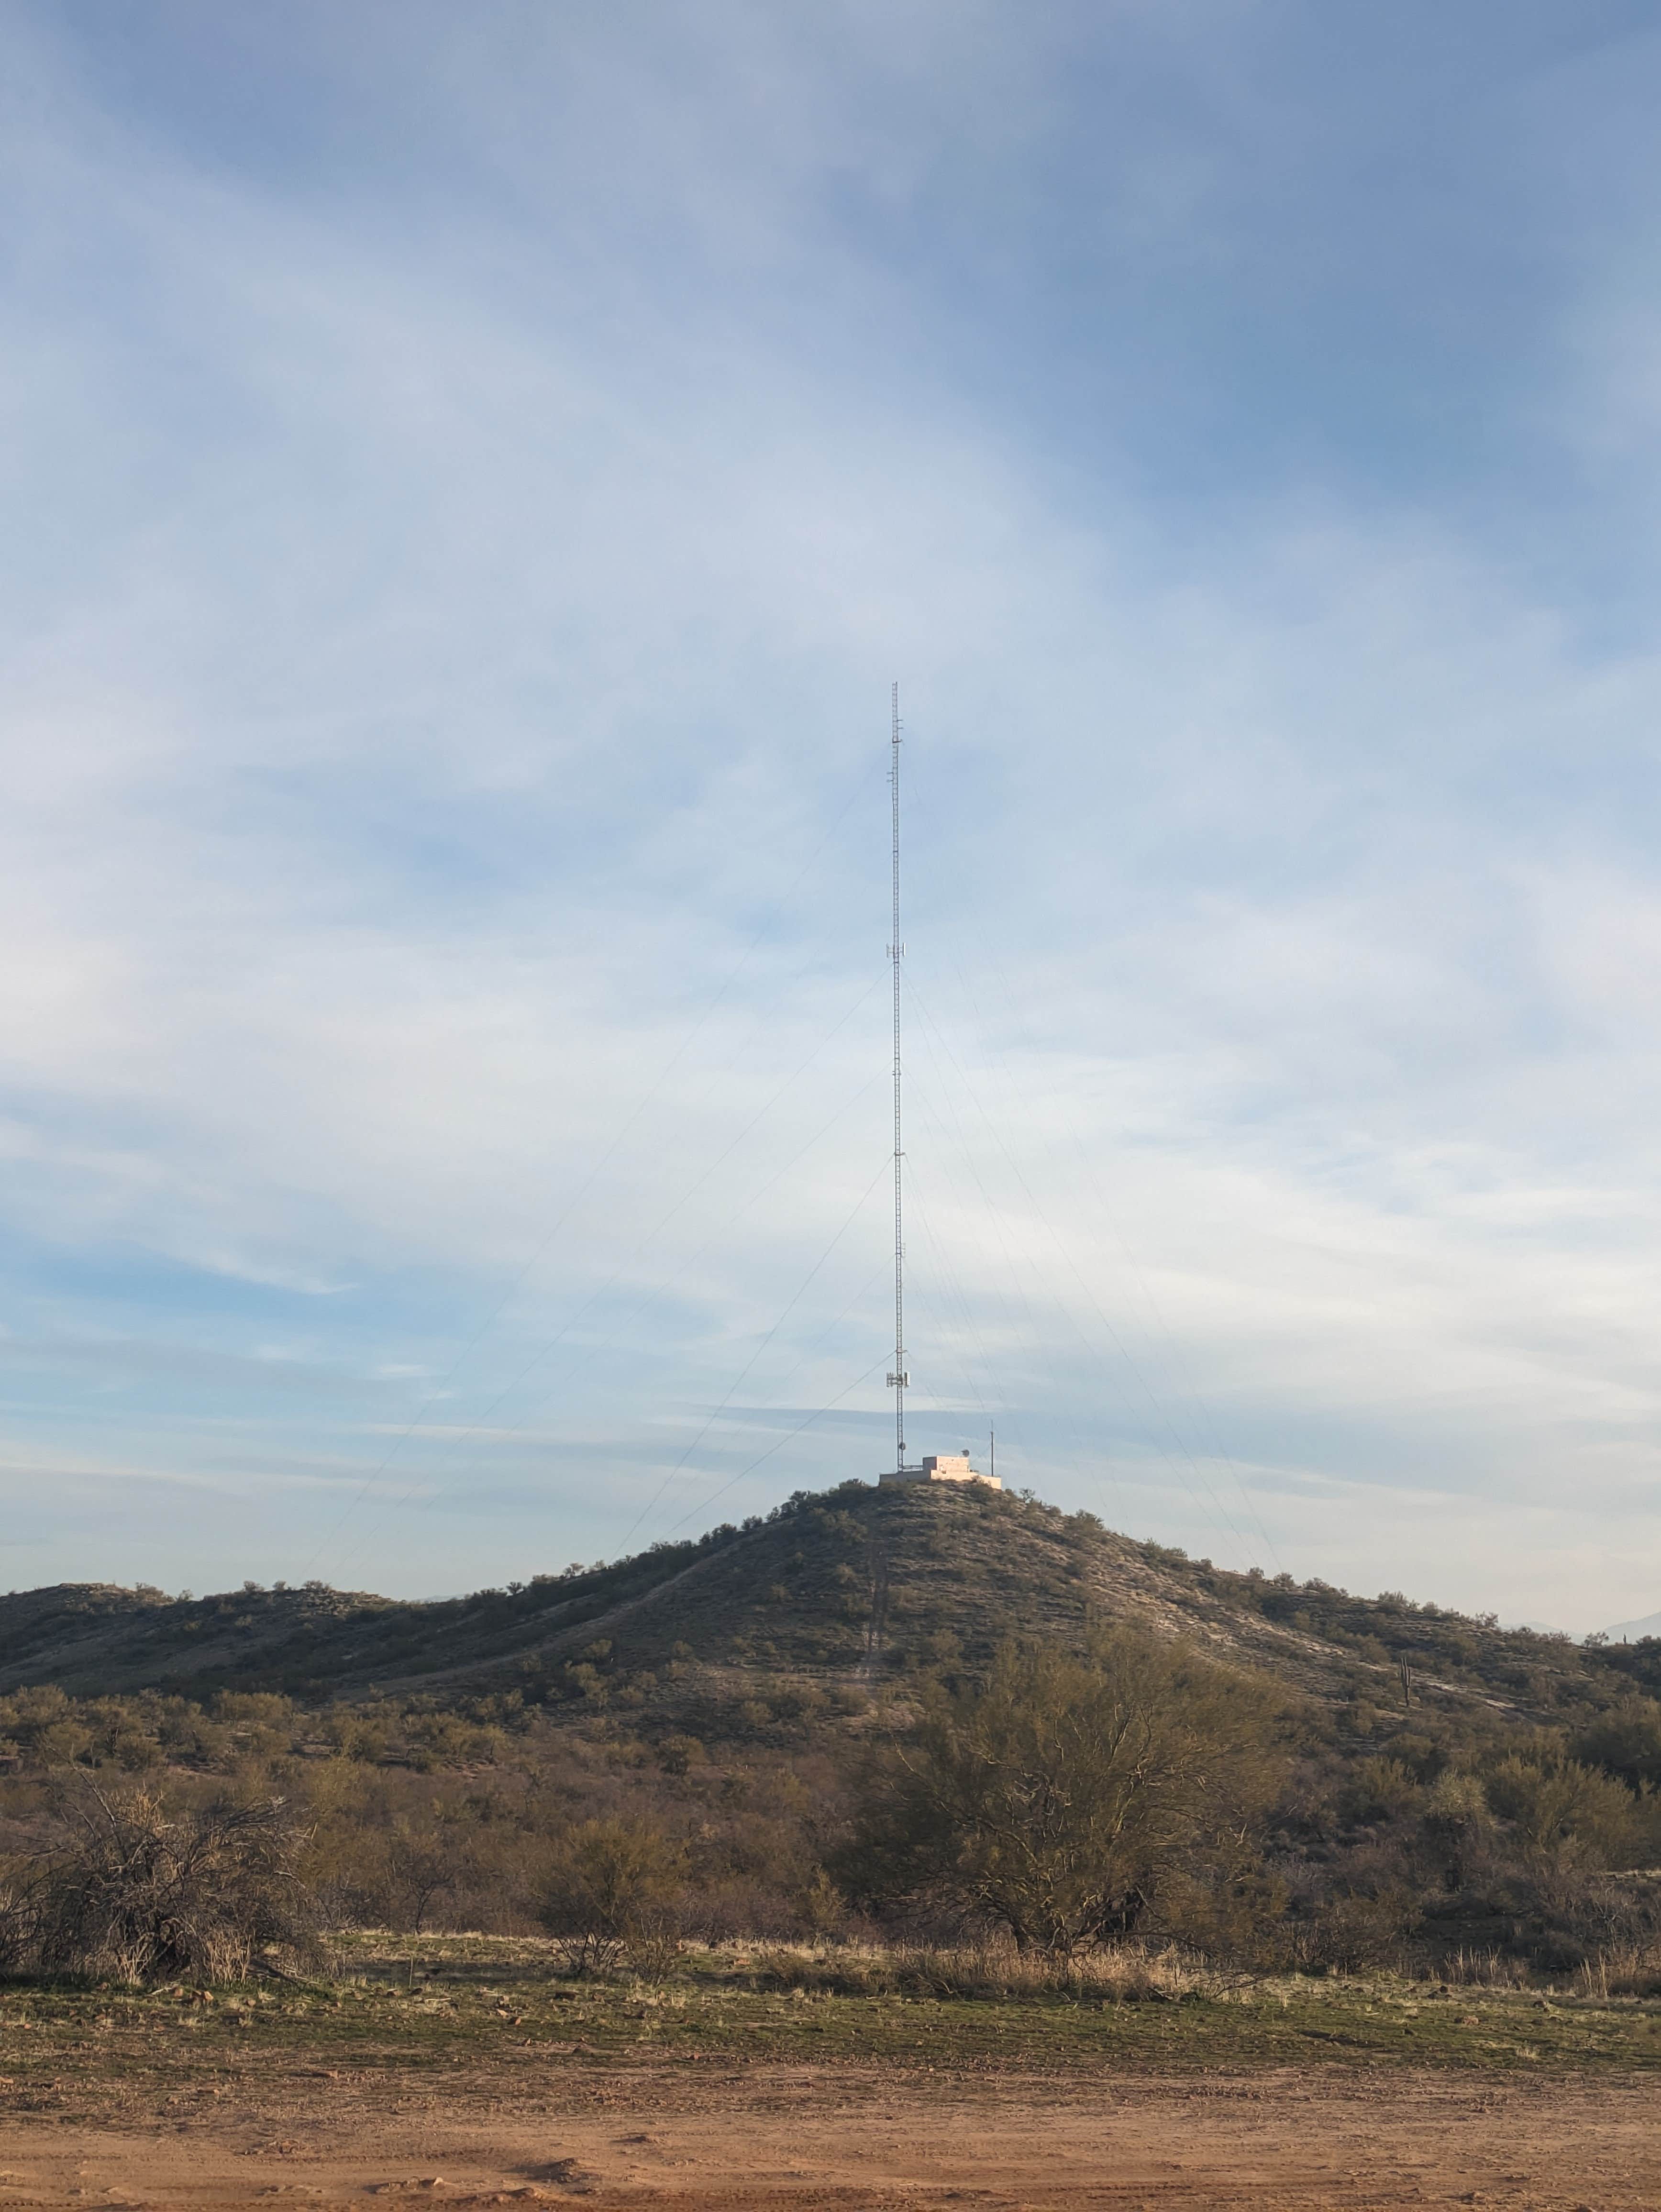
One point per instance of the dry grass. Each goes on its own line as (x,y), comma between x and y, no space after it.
(1111,1975)
(1618,1969)
(1485,1970)
(1630,1970)
(1129,1974)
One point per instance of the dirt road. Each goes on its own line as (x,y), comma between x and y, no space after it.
(823,2139)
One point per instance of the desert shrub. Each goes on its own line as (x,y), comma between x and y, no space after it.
(1626,1742)
(1225,1912)
(1381,1790)
(1352,1930)
(611,1889)
(445,1739)
(356,1737)
(821,1906)
(1053,1800)
(1422,1756)
(62,1743)
(1562,1809)
(1455,1828)
(798,1701)
(134,1891)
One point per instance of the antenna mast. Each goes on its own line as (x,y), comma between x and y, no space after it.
(898,1379)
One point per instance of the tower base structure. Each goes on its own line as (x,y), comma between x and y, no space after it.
(945,1467)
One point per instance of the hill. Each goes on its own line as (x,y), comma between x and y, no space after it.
(852,1586)
(1447,1787)
(1634,1631)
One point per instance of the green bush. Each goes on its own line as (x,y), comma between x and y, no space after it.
(612,1887)
(1055,1799)
(1561,1809)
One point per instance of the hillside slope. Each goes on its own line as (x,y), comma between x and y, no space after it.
(857,1586)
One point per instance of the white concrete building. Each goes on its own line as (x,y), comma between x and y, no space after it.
(942,1467)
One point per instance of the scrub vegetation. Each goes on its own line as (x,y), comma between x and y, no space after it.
(1115,1762)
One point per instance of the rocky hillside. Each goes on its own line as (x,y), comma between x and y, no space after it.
(852,1586)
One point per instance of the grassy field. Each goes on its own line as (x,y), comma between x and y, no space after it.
(458,2001)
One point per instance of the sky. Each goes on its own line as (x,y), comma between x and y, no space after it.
(470,478)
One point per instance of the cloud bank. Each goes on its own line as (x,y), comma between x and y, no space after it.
(471,480)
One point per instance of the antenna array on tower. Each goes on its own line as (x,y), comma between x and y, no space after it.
(958,1467)
(897,1378)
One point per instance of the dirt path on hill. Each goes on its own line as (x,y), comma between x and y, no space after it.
(845,2139)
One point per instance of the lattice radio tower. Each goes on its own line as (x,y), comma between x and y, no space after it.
(898,1379)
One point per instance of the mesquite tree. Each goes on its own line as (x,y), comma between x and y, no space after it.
(1058,1795)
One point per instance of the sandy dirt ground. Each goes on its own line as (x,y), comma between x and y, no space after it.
(843,2139)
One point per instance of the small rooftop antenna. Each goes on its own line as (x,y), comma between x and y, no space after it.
(898,1379)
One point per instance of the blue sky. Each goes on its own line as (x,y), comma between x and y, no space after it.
(470,478)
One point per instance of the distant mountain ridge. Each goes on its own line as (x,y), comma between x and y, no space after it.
(1632,1631)
(855,1585)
